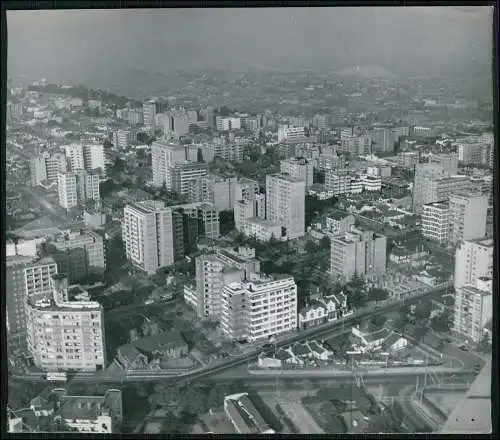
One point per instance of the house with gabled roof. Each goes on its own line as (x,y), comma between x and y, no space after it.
(313,314)
(318,351)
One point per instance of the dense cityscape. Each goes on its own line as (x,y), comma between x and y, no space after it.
(258,252)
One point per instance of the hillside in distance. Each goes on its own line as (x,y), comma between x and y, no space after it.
(367,71)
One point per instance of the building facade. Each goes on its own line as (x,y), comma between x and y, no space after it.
(436,221)
(66,330)
(467,216)
(148,234)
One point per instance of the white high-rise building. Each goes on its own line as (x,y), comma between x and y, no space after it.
(259,308)
(183,174)
(87,186)
(122,139)
(147,231)
(67,189)
(55,164)
(338,181)
(473,259)
(291,134)
(213,272)
(38,170)
(473,309)
(298,167)
(149,112)
(164,157)
(436,221)
(37,277)
(93,156)
(285,203)
(66,329)
(74,156)
(468,213)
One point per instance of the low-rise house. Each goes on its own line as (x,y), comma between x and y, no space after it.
(245,418)
(319,352)
(148,352)
(55,411)
(394,342)
(301,351)
(313,314)
(370,341)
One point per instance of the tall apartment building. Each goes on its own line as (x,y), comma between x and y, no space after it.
(356,145)
(66,186)
(176,124)
(258,308)
(55,164)
(246,189)
(93,157)
(164,157)
(383,140)
(191,222)
(147,230)
(74,156)
(473,259)
(471,153)
(358,252)
(66,329)
(184,174)
(431,184)
(79,254)
(449,162)
(149,112)
(338,181)
(287,133)
(408,159)
(37,277)
(38,170)
(468,213)
(227,123)
(246,210)
(87,185)
(229,151)
(122,139)
(285,204)
(421,131)
(436,221)
(213,272)
(300,168)
(473,309)
(135,117)
(15,293)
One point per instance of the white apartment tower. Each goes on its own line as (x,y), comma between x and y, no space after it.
(285,203)
(87,186)
(66,329)
(473,309)
(258,308)
(298,167)
(148,235)
(213,272)
(93,157)
(436,221)
(67,189)
(74,156)
(38,170)
(473,259)
(164,157)
(149,112)
(467,216)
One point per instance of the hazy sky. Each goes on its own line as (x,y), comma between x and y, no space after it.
(75,45)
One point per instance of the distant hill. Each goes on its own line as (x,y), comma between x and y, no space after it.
(366,72)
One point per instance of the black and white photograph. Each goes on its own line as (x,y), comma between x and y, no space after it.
(249,220)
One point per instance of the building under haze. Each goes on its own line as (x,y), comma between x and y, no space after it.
(467,216)
(164,157)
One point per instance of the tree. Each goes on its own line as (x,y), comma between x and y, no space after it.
(442,323)
(484,345)
(199,156)
(324,243)
(422,311)
(377,294)
(226,220)
(379,320)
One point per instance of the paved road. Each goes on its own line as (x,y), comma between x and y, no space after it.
(314,332)
(120,312)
